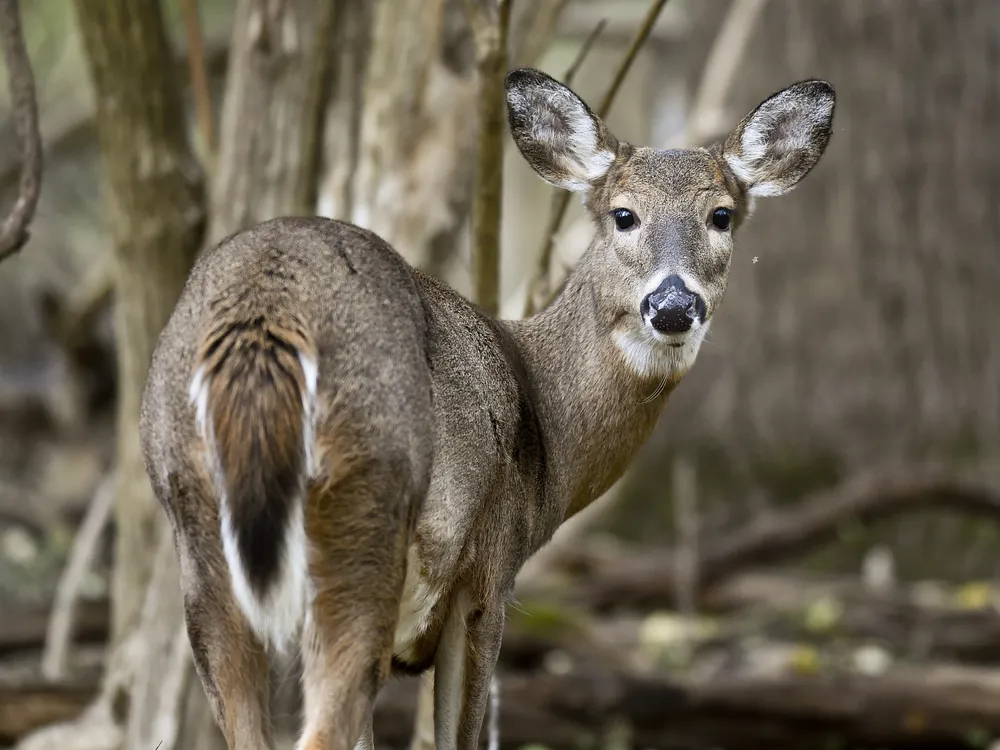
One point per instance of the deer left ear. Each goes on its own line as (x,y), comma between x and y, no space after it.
(778,143)
(559,136)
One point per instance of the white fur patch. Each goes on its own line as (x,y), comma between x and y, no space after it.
(198,395)
(275,618)
(761,138)
(648,353)
(741,168)
(310,370)
(415,606)
(589,161)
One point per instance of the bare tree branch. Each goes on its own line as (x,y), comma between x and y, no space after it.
(14,229)
(707,118)
(652,575)
(532,30)
(199,77)
(60,629)
(539,290)
(585,48)
(490,22)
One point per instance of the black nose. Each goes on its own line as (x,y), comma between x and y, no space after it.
(672,307)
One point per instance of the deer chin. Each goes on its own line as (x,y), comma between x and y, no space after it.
(651,354)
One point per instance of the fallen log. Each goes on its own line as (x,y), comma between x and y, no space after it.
(24,628)
(916,708)
(920,708)
(25,706)
(640,578)
(933,624)
(927,630)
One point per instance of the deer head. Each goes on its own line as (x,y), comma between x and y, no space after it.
(665,219)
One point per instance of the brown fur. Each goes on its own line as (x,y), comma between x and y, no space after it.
(255,398)
(230,661)
(449,446)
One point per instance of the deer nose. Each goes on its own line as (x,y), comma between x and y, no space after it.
(672,307)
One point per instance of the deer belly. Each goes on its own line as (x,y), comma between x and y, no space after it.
(415,608)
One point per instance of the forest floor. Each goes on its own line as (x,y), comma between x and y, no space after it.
(596,653)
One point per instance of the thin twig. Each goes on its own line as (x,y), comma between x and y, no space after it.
(532,30)
(686,514)
(539,291)
(584,51)
(633,51)
(320,89)
(706,119)
(60,629)
(199,77)
(490,21)
(14,229)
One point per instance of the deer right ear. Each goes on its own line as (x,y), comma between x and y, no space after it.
(778,143)
(556,132)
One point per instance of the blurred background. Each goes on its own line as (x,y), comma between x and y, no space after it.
(805,553)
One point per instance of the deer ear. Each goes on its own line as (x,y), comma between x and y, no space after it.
(778,143)
(555,131)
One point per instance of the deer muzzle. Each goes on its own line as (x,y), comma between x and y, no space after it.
(672,308)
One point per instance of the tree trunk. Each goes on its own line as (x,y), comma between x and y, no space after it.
(417,142)
(401,135)
(265,148)
(273,101)
(270,112)
(861,333)
(157,207)
(158,220)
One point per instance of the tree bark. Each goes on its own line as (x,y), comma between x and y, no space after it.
(416,143)
(272,82)
(158,220)
(158,213)
(270,112)
(270,102)
(400,137)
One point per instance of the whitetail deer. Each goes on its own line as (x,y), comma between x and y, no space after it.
(357,461)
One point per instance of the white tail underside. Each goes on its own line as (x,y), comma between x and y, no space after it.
(276,617)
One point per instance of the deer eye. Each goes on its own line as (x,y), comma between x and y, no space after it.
(624,219)
(722,218)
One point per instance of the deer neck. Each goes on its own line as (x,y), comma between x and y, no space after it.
(596,412)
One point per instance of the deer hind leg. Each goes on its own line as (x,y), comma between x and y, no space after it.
(463,672)
(231,662)
(358,530)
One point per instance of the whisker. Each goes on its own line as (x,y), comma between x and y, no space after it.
(658,391)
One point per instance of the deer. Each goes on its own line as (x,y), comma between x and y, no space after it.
(356,461)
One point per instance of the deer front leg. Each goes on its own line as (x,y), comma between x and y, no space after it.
(467,656)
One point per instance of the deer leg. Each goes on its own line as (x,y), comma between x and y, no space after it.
(467,656)
(484,635)
(357,528)
(230,661)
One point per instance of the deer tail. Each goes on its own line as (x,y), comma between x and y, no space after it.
(254,392)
